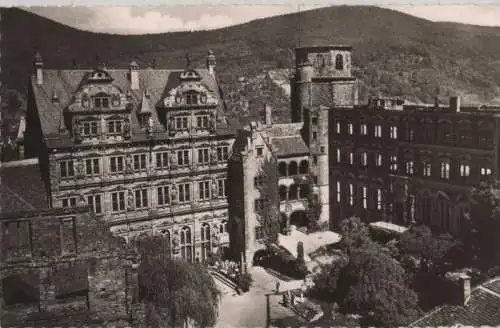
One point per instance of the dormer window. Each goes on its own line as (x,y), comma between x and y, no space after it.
(101,100)
(339,62)
(115,127)
(191,98)
(89,128)
(116,100)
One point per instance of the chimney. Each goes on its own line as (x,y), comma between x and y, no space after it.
(38,65)
(465,289)
(211,62)
(268,110)
(134,75)
(455,104)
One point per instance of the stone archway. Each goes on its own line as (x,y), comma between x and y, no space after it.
(299,219)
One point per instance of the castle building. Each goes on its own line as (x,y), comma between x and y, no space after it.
(146,149)
(411,163)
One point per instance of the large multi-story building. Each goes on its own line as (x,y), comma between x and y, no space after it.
(146,148)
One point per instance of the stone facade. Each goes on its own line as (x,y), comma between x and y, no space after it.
(146,149)
(63,267)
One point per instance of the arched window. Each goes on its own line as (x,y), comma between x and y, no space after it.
(283,193)
(282,169)
(304,191)
(206,245)
(339,62)
(186,244)
(168,241)
(223,227)
(293,192)
(292,168)
(304,167)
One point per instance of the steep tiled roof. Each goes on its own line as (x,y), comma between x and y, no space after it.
(21,187)
(482,308)
(157,83)
(293,145)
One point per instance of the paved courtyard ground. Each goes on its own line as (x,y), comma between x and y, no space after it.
(251,309)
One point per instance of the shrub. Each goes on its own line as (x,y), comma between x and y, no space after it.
(245,281)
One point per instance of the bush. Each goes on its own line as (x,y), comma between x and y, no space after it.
(245,281)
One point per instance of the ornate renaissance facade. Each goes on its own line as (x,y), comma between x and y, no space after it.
(146,149)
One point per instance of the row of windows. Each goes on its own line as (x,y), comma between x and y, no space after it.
(463,169)
(91,128)
(138,162)
(101,101)
(181,123)
(363,130)
(191,98)
(139,198)
(364,196)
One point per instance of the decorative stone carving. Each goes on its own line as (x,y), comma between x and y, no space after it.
(215,234)
(172,160)
(176,240)
(77,130)
(129,164)
(82,201)
(126,129)
(150,125)
(115,100)
(80,168)
(130,200)
(215,194)
(211,123)
(213,156)
(173,195)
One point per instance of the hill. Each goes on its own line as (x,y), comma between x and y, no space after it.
(394,53)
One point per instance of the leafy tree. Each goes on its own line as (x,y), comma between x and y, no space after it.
(481,232)
(354,233)
(176,293)
(270,216)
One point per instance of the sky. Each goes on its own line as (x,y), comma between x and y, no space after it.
(168,18)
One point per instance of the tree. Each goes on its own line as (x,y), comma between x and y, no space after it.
(482,230)
(176,293)
(270,216)
(354,233)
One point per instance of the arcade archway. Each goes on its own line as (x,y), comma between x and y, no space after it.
(299,219)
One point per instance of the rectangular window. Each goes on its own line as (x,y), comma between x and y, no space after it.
(116,164)
(339,192)
(364,129)
(163,195)
(203,156)
(222,153)
(378,160)
(141,198)
(364,159)
(222,187)
(17,238)
(66,168)
(67,233)
(410,166)
(162,160)
(260,151)
(89,128)
(92,166)
(394,132)
(94,203)
(350,128)
(485,171)
(338,156)
(140,162)
(259,205)
(181,123)
(351,194)
(365,198)
(464,170)
(394,164)
(69,202)
(202,121)
(337,127)
(204,190)
(379,199)
(378,131)
(426,169)
(118,201)
(183,157)
(184,192)
(445,170)
(351,158)
(115,127)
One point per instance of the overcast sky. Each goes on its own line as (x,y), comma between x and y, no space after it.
(139,20)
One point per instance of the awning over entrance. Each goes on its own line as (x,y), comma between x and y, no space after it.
(311,241)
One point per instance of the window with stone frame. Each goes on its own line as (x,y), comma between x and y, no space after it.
(222,153)
(163,193)
(364,129)
(379,199)
(393,132)
(186,244)
(206,242)
(222,187)
(67,234)
(21,288)
(68,202)
(426,168)
(351,194)
(116,164)
(393,166)
(115,126)
(339,62)
(66,169)
(92,166)
(181,123)
(338,127)
(162,160)
(16,239)
(364,197)
(204,190)
(101,100)
(410,168)
(202,121)
(184,192)
(191,98)
(377,131)
(140,163)
(464,169)
(118,201)
(141,198)
(183,157)
(260,151)
(378,159)
(90,128)
(445,170)
(364,158)
(95,203)
(338,191)
(350,128)
(204,156)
